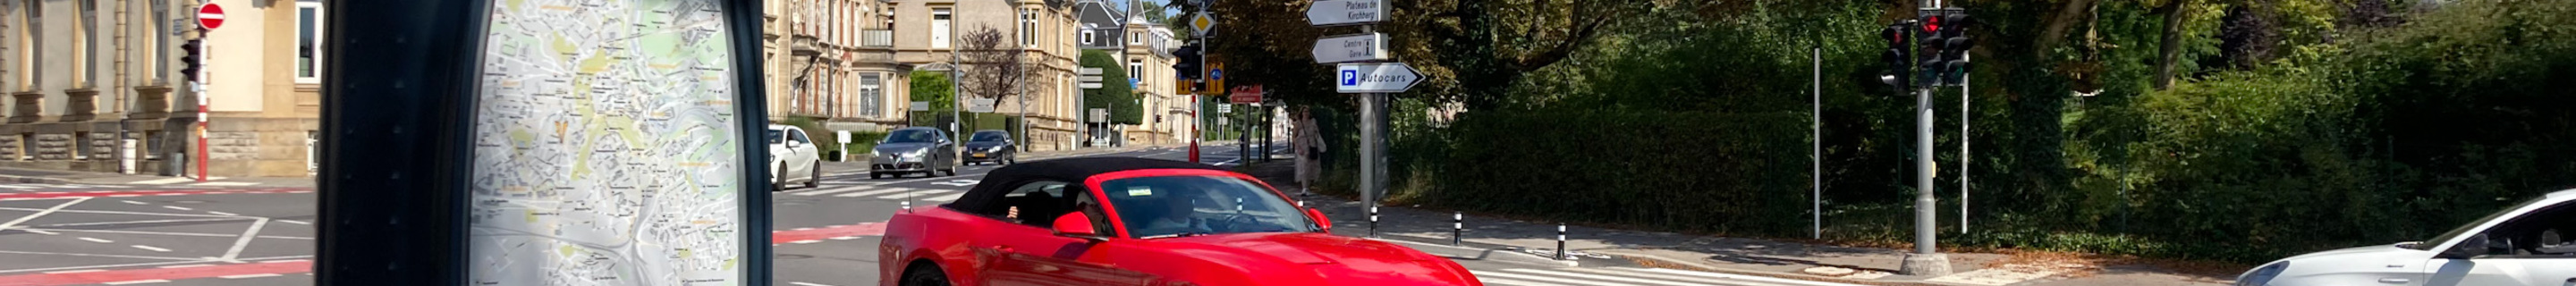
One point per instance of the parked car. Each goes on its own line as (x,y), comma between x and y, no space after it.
(1133,221)
(2526,244)
(792,153)
(909,150)
(991,146)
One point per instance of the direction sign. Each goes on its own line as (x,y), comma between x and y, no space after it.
(1090,78)
(920,106)
(1250,94)
(1201,24)
(210,16)
(1374,77)
(1346,12)
(1225,108)
(979,105)
(1351,48)
(1099,115)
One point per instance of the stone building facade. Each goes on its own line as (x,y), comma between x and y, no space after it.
(94,85)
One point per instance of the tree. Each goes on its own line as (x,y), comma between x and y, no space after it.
(1115,93)
(933,87)
(994,67)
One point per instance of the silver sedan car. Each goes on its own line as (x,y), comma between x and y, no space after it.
(922,150)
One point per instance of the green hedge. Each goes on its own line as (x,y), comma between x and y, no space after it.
(1726,173)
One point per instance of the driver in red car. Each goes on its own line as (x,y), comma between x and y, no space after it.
(1174,214)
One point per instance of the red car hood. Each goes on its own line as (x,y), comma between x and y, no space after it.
(1337,259)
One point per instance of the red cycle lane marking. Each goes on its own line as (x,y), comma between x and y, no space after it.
(301,266)
(66,195)
(96,277)
(793,236)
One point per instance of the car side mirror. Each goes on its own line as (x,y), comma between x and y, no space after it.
(1076,225)
(2474,246)
(1321,223)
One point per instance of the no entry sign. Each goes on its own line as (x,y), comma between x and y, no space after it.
(210,16)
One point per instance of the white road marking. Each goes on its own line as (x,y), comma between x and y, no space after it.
(958,182)
(222,213)
(56,208)
(133,202)
(917,194)
(178,208)
(829,190)
(40,232)
(246,276)
(74,271)
(138,282)
(946,198)
(187,266)
(161,181)
(246,236)
(872,193)
(21,187)
(224,184)
(97,240)
(295,222)
(807,284)
(154,249)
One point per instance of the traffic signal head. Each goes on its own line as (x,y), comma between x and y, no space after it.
(189,60)
(1955,44)
(1929,56)
(1898,57)
(1186,61)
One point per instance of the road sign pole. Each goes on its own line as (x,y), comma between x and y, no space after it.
(199,87)
(1925,260)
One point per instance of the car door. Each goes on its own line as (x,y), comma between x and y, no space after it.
(1029,253)
(803,160)
(2528,249)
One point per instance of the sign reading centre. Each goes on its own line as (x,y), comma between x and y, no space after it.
(1374,77)
(1351,48)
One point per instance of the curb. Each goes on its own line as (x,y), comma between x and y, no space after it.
(1469,253)
(1705,267)
(34,180)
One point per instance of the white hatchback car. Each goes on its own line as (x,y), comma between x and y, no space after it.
(792,153)
(2524,245)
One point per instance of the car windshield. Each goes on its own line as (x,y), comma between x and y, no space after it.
(1156,207)
(912,136)
(2464,229)
(776,135)
(989,136)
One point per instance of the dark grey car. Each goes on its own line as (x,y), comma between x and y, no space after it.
(991,146)
(922,150)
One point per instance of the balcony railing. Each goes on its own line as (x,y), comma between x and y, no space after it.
(876,38)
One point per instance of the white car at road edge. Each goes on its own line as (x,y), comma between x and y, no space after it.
(2525,245)
(793,153)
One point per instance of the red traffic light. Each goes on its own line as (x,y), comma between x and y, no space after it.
(1932,24)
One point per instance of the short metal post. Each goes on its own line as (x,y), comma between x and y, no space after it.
(1372,232)
(1457,227)
(907,206)
(1560,241)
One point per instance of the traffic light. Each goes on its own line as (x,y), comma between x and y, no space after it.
(1954,47)
(1186,61)
(189,61)
(1928,58)
(1899,62)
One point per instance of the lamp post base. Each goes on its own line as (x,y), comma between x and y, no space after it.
(1925,264)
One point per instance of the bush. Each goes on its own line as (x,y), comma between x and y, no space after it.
(1686,171)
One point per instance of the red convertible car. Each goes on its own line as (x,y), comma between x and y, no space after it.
(1126,221)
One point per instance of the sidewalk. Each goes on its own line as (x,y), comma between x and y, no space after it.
(43,176)
(1716,254)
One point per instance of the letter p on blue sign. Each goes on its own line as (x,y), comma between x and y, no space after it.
(1350,77)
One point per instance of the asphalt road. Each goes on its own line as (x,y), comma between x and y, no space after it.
(825,235)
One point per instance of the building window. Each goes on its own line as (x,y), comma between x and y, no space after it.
(1133,40)
(871,96)
(939,28)
(30,44)
(1135,69)
(1029,27)
(84,74)
(308,49)
(1086,37)
(157,54)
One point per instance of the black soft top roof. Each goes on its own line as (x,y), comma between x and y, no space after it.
(988,191)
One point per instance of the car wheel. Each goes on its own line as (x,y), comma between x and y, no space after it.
(818,176)
(777,182)
(924,275)
(875,175)
(952,170)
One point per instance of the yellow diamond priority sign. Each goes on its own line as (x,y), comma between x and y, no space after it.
(1202,23)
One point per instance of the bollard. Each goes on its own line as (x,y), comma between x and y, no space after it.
(1372,222)
(1457,227)
(1560,241)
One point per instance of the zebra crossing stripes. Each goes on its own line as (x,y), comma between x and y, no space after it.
(57,186)
(1627,276)
(875,192)
(883,192)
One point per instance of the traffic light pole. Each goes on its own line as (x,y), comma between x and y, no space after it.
(1926,260)
(198,86)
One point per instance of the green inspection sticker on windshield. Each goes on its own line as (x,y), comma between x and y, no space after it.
(1140,191)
